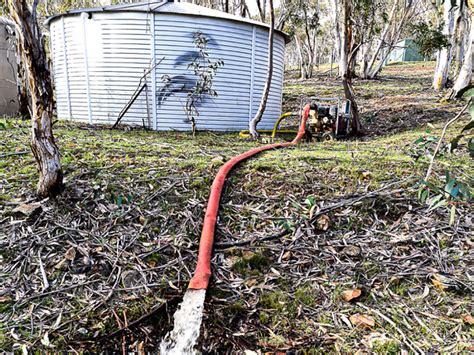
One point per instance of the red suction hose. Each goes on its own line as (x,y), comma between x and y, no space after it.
(202,273)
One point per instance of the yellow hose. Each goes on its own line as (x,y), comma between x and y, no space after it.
(245,133)
(277,123)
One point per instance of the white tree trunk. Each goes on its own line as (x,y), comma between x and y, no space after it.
(383,37)
(331,61)
(337,28)
(460,34)
(301,58)
(465,74)
(397,32)
(344,57)
(384,53)
(266,90)
(445,55)
(365,60)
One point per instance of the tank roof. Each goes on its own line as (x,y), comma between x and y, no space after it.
(170,7)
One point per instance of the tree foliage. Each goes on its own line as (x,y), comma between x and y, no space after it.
(428,37)
(302,22)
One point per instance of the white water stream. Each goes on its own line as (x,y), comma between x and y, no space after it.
(187,324)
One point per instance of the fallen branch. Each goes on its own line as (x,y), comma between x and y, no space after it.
(354,200)
(135,95)
(130,103)
(344,203)
(44,294)
(14,153)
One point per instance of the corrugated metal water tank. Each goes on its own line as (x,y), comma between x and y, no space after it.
(8,64)
(99,56)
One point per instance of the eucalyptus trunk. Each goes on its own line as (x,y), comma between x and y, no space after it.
(460,38)
(43,145)
(266,90)
(382,38)
(355,123)
(22,86)
(337,29)
(445,54)
(397,32)
(345,40)
(356,126)
(299,49)
(365,61)
(465,74)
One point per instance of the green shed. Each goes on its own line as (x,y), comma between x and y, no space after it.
(405,51)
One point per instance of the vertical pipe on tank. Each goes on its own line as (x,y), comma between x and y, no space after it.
(252,69)
(153,72)
(84,17)
(68,97)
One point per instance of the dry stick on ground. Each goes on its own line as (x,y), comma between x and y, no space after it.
(44,294)
(12,154)
(163,307)
(350,202)
(443,133)
(342,203)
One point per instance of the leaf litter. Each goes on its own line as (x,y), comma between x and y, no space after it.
(104,265)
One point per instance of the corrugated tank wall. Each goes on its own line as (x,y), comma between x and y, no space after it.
(8,88)
(60,71)
(118,58)
(100,59)
(228,41)
(98,63)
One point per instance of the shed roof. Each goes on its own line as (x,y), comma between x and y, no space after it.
(167,7)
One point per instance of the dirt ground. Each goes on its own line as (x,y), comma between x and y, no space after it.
(320,248)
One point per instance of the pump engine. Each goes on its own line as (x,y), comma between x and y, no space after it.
(329,118)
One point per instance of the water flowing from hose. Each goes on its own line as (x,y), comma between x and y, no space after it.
(187,324)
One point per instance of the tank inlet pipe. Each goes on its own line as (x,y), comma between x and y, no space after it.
(200,280)
(246,133)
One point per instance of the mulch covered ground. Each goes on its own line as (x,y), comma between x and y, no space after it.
(323,247)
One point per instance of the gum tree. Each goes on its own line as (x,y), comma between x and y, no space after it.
(266,90)
(465,73)
(348,50)
(33,55)
(450,12)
